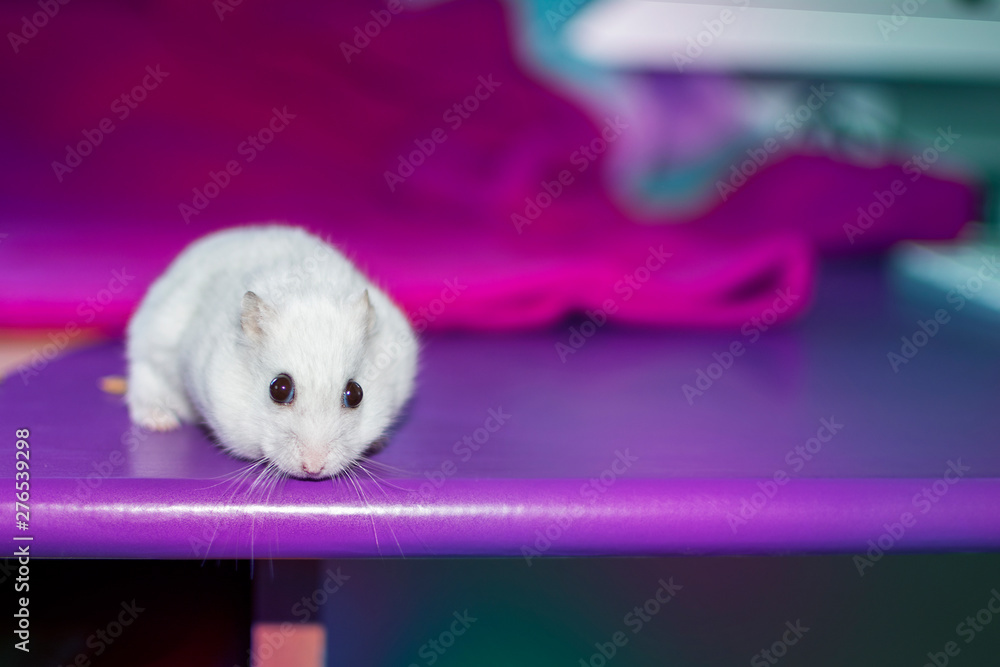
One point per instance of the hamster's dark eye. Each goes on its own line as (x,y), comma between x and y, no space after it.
(282,389)
(352,394)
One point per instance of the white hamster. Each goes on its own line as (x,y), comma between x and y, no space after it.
(278,342)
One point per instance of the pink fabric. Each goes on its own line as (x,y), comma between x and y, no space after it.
(346,125)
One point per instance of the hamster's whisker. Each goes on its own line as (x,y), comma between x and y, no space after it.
(236,479)
(226,502)
(351,477)
(283,478)
(259,485)
(235,473)
(371,513)
(387,522)
(347,475)
(390,468)
(268,488)
(376,479)
(261,476)
(240,477)
(276,477)
(271,476)
(366,471)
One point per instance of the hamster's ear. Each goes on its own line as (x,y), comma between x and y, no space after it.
(254,316)
(363,303)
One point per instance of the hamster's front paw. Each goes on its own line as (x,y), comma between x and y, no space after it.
(154,418)
(152,402)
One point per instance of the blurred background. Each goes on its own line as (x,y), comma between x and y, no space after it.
(537,151)
(538,155)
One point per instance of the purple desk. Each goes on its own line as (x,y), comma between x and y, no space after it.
(602,454)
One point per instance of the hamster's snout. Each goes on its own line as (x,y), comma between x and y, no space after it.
(311,460)
(312,470)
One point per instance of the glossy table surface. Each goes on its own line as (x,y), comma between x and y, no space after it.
(807,441)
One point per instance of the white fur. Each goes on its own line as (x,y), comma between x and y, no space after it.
(190,355)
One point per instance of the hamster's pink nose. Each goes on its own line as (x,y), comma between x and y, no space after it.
(312,469)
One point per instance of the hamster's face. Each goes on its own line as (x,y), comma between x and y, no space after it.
(308,409)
